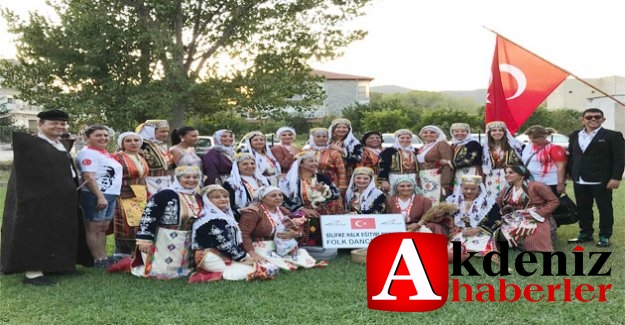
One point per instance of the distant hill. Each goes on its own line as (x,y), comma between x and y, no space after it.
(477,95)
(389,89)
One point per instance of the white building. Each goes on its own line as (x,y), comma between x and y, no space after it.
(574,94)
(342,90)
(24,114)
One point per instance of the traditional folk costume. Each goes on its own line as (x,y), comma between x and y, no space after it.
(301,193)
(467,158)
(331,165)
(217,162)
(166,222)
(133,197)
(414,207)
(496,159)
(266,163)
(531,207)
(435,179)
(370,156)
(218,245)
(398,161)
(242,188)
(482,213)
(157,156)
(42,229)
(352,148)
(283,153)
(259,229)
(370,201)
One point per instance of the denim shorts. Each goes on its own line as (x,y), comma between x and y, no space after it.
(88,202)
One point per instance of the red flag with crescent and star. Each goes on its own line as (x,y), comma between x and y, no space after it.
(520,81)
(363,223)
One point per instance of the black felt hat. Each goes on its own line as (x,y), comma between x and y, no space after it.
(53,115)
(368,134)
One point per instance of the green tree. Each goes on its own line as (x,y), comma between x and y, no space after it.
(565,120)
(444,118)
(541,116)
(127,60)
(384,121)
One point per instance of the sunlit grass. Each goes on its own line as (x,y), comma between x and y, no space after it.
(336,294)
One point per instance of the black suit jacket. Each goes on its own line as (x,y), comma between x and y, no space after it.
(604,158)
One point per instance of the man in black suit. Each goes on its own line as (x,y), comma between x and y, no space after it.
(596,163)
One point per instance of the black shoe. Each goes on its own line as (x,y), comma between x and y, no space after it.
(581,238)
(39,281)
(102,263)
(603,242)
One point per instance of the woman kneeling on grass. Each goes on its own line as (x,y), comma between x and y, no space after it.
(477,218)
(164,236)
(270,236)
(527,207)
(218,244)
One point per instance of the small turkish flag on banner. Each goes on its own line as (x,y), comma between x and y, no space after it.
(520,81)
(363,223)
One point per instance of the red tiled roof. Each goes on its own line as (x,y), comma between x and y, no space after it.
(338,76)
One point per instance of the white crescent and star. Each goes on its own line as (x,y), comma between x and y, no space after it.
(517,74)
(360,223)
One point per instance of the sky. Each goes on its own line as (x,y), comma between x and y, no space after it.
(442,44)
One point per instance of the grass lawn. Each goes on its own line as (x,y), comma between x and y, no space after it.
(336,294)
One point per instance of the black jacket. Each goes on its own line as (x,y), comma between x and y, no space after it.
(604,158)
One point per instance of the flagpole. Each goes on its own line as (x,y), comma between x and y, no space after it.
(571,74)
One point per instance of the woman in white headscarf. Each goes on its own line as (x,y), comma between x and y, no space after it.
(478,216)
(435,174)
(155,151)
(217,241)
(270,235)
(285,150)
(467,158)
(164,234)
(134,192)
(500,150)
(330,164)
(362,196)
(269,166)
(217,162)
(342,140)
(398,160)
(245,179)
(309,192)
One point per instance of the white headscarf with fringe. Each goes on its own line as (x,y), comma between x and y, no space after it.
(236,181)
(289,186)
(365,197)
(228,150)
(487,162)
(260,159)
(211,212)
(350,142)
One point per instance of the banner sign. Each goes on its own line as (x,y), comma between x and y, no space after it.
(357,230)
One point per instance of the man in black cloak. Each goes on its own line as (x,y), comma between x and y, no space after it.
(42,227)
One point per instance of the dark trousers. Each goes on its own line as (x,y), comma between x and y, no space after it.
(584,196)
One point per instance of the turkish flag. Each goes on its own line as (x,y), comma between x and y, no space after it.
(520,81)
(363,223)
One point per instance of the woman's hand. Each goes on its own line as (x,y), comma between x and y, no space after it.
(560,188)
(145,247)
(414,226)
(289,234)
(257,258)
(337,148)
(470,232)
(310,213)
(385,186)
(319,187)
(101,204)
